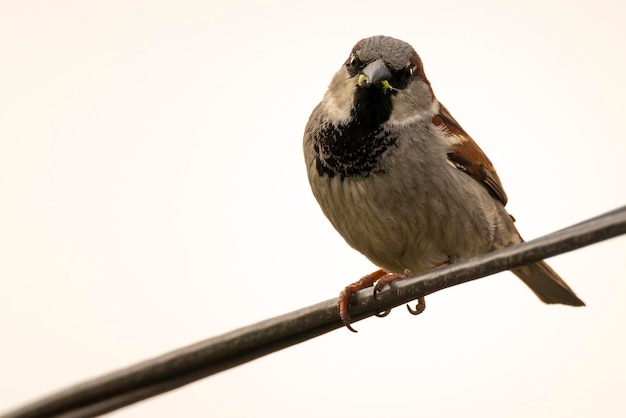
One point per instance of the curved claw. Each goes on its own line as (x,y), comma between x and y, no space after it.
(342,305)
(386,279)
(348,291)
(376,290)
(379,286)
(350,328)
(383,313)
(345,318)
(419,308)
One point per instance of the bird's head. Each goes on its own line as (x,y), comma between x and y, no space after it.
(382,81)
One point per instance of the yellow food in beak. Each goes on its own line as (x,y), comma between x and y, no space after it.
(386,85)
(364,80)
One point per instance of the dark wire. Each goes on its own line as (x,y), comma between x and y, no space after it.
(188,364)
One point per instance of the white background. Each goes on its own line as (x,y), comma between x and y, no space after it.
(153,194)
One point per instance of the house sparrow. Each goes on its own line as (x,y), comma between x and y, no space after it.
(399,178)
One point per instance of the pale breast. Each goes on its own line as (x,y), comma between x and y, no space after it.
(415,211)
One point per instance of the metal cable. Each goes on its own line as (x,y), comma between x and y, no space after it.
(188,364)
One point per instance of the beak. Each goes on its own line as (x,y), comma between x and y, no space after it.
(375,72)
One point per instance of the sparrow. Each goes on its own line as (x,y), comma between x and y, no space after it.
(400,179)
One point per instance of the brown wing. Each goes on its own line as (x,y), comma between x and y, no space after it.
(468,157)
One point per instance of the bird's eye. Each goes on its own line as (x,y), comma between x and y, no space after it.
(408,72)
(355,61)
(354,64)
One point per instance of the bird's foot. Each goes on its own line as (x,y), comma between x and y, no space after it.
(421,302)
(419,308)
(388,278)
(381,278)
(346,294)
(392,277)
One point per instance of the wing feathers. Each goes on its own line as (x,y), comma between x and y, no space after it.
(468,157)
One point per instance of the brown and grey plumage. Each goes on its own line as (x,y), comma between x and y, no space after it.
(400,179)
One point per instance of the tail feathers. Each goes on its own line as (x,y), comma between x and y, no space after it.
(547,284)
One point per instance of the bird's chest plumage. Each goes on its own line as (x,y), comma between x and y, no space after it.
(350,150)
(393,197)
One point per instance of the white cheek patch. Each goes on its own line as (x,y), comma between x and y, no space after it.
(402,120)
(339,98)
(407,111)
(336,111)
